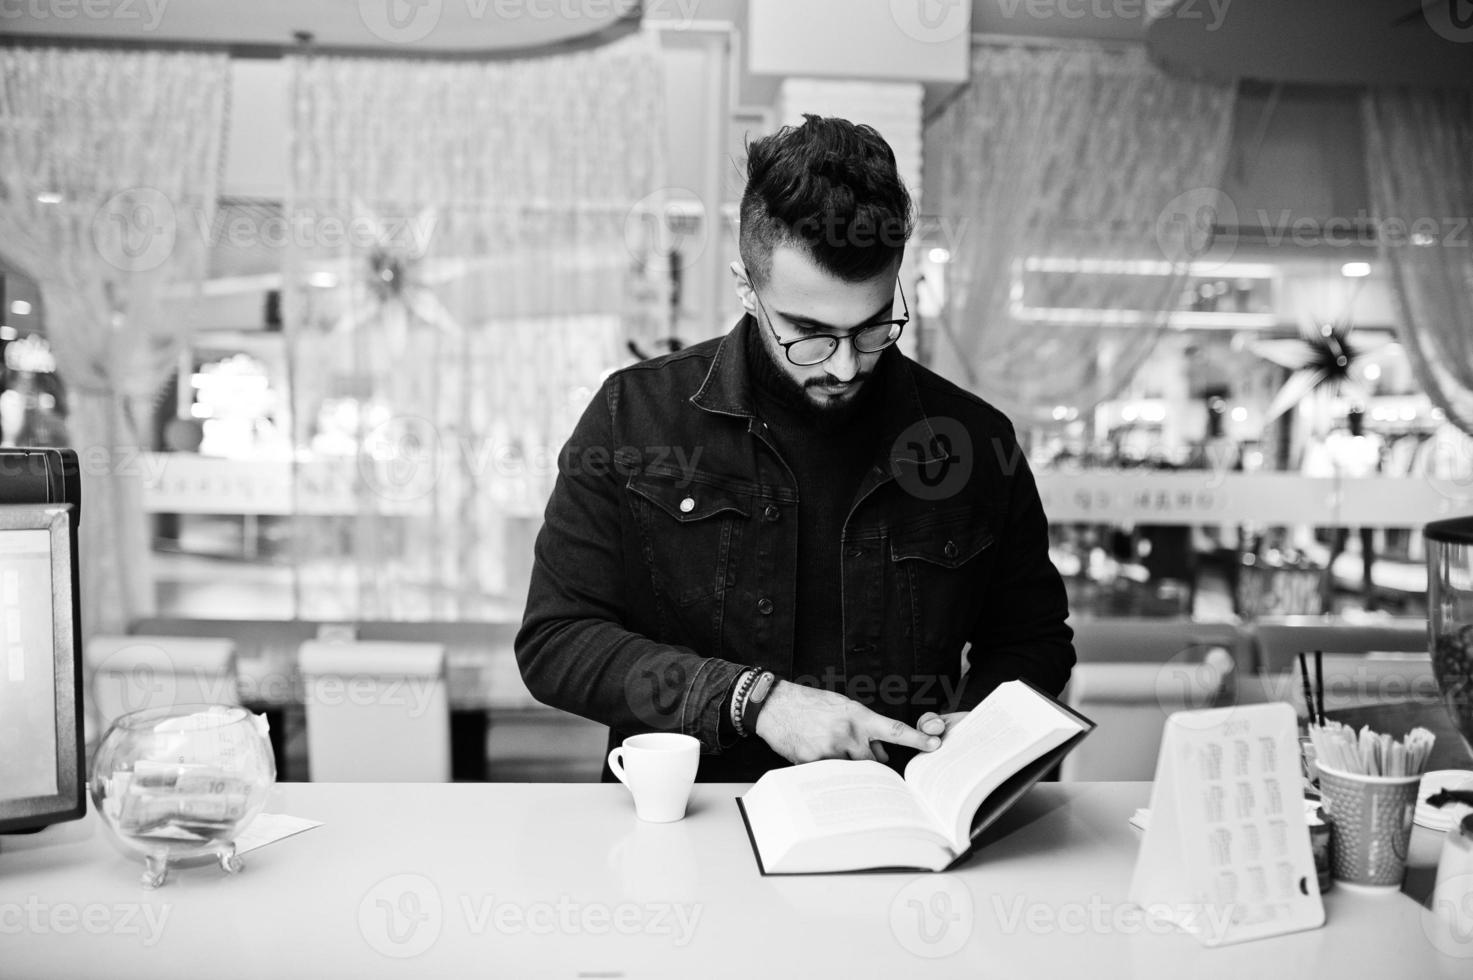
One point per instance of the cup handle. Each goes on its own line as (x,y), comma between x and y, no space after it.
(616,763)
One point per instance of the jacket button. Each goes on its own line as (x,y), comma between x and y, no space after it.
(687,505)
(771,513)
(950,549)
(764,606)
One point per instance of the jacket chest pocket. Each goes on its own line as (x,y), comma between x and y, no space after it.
(690,530)
(940,563)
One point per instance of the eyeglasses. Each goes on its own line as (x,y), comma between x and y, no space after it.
(815,348)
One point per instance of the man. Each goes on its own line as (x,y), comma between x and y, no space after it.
(799,498)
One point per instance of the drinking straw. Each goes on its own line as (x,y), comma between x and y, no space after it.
(1369,753)
(1314,719)
(1319,683)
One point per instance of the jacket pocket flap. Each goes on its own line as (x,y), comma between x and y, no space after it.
(684,500)
(948,542)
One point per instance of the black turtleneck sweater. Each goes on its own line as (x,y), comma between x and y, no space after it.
(828,456)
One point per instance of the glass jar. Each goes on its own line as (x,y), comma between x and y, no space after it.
(182,782)
(1450,616)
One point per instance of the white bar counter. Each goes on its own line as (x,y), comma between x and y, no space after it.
(493,880)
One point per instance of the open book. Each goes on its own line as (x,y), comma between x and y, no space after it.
(844,815)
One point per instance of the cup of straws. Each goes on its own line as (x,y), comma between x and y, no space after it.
(1368,784)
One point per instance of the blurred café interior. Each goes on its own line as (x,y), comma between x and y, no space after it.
(318,295)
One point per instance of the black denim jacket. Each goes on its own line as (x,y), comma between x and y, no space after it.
(667,562)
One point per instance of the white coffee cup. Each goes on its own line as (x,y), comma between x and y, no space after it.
(659,768)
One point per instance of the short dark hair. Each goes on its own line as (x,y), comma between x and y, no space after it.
(830,187)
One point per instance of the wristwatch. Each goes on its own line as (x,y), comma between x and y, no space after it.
(756,698)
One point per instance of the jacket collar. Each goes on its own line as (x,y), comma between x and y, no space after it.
(727,390)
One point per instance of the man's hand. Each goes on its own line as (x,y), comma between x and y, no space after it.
(933,724)
(804,724)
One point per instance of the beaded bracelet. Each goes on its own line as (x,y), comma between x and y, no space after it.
(739,699)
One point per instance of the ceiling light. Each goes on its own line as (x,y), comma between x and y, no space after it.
(1355,270)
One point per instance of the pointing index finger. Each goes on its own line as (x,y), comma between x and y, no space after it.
(882,729)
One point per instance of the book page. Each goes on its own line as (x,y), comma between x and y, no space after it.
(840,796)
(1012,726)
(841,814)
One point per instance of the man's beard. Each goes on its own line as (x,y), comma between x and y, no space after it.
(828,414)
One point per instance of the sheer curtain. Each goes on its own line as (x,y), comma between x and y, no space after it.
(1076,184)
(1419,158)
(109,163)
(459,262)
